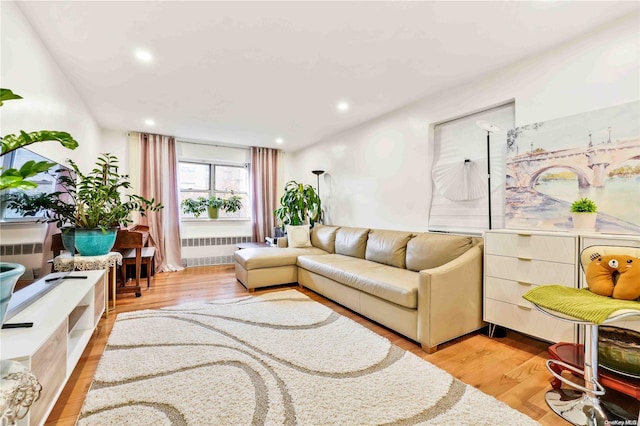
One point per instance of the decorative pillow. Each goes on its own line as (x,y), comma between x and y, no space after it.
(298,236)
(614,275)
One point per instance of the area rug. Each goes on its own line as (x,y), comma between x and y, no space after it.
(276,359)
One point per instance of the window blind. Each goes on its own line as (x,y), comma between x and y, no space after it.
(460,198)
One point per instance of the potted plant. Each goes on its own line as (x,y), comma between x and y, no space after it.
(232,204)
(583,213)
(300,204)
(92,204)
(13,178)
(212,204)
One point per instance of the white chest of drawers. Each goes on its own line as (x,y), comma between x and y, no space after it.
(515,262)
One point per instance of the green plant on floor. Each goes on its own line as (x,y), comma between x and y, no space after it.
(300,204)
(17,178)
(583,205)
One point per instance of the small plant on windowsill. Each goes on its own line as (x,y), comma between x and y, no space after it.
(212,205)
(584,213)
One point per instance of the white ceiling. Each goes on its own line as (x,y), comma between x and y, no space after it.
(246,73)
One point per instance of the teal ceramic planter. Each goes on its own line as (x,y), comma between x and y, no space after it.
(94,242)
(69,239)
(9,275)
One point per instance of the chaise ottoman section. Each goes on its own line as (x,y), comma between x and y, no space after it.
(266,266)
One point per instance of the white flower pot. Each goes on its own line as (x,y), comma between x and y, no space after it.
(584,221)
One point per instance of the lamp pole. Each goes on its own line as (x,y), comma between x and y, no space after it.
(489,128)
(318,173)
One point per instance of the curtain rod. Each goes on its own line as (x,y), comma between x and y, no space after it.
(199,142)
(217,145)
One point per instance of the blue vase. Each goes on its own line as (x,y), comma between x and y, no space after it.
(9,274)
(68,239)
(94,242)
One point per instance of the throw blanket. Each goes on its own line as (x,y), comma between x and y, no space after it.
(578,302)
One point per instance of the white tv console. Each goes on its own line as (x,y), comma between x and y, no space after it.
(64,320)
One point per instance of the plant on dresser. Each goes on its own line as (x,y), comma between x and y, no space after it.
(583,214)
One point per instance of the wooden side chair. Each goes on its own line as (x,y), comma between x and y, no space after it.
(129,258)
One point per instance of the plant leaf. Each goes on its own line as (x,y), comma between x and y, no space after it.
(13,142)
(7,95)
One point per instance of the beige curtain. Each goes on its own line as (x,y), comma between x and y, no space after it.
(264,185)
(159,180)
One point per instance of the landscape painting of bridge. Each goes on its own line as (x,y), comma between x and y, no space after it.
(595,154)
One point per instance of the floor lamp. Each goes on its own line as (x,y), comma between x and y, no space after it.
(489,128)
(318,173)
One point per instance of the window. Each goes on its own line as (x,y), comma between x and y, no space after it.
(221,180)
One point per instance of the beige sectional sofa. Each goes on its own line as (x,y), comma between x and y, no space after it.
(426,286)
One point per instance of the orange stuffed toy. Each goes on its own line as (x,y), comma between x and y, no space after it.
(614,275)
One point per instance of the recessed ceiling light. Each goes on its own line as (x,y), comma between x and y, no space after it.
(342,106)
(149,122)
(144,56)
(279,141)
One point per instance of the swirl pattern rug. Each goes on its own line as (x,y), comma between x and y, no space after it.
(274,359)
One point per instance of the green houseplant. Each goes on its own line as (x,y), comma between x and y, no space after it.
(212,204)
(300,204)
(12,178)
(584,213)
(92,204)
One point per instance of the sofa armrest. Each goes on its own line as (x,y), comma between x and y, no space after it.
(450,299)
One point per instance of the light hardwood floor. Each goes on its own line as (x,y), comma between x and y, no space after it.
(511,368)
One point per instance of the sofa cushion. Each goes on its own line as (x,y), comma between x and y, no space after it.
(396,285)
(270,257)
(426,251)
(388,247)
(298,236)
(351,241)
(324,237)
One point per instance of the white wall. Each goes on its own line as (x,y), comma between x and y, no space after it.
(50,101)
(378,174)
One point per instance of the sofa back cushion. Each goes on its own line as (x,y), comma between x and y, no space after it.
(427,251)
(324,237)
(388,247)
(351,241)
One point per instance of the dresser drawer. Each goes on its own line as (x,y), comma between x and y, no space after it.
(529,321)
(530,271)
(507,291)
(559,249)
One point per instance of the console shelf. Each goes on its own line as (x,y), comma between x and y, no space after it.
(64,320)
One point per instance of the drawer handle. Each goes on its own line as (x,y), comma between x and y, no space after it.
(526,308)
(525,283)
(528,259)
(524,235)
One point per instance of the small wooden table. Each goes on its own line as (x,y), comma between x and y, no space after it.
(573,354)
